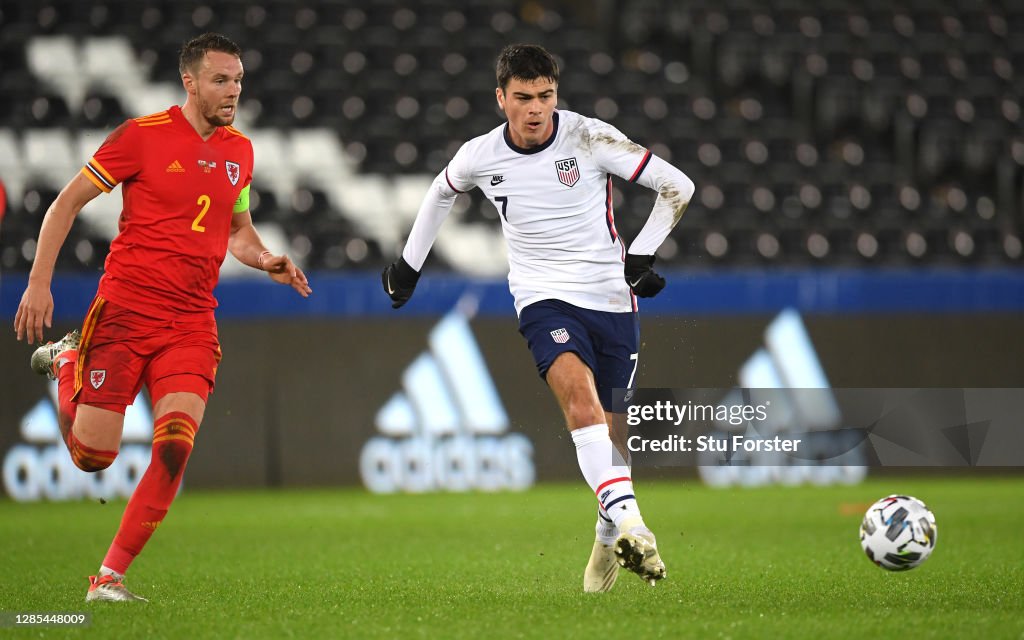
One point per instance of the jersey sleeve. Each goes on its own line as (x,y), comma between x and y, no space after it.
(242,202)
(456,178)
(117,159)
(674,189)
(459,173)
(615,153)
(252,167)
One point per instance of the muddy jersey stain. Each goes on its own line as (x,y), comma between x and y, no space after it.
(675,200)
(589,142)
(617,144)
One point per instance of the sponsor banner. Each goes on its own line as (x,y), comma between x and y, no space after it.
(298,400)
(446,429)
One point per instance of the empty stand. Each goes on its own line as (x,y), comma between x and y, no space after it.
(838,132)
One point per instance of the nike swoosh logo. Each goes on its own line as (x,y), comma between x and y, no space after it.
(633,284)
(391,291)
(497,180)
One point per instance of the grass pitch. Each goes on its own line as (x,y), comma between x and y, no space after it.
(744,563)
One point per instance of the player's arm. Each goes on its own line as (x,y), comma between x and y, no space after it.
(619,155)
(246,245)
(674,190)
(36,307)
(399,278)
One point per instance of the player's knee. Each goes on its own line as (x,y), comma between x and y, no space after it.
(88,458)
(581,412)
(92,460)
(173,439)
(172,456)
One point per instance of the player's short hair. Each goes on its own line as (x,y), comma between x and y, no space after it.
(194,50)
(525,62)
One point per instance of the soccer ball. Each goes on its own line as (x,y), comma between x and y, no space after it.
(898,533)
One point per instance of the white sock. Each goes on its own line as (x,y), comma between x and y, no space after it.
(107,571)
(606,472)
(606,530)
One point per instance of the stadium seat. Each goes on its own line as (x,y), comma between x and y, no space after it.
(46,110)
(13,171)
(55,60)
(50,155)
(101,110)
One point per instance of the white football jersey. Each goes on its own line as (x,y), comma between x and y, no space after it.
(555,202)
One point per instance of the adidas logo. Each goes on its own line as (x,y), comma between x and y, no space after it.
(787,361)
(41,469)
(175,167)
(446,429)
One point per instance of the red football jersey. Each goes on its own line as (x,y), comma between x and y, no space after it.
(179,194)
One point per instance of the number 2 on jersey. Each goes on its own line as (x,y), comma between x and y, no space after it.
(204,202)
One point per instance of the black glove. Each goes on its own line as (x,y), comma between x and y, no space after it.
(641,276)
(399,280)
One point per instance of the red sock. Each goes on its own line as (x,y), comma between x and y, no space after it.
(86,458)
(173,438)
(67,408)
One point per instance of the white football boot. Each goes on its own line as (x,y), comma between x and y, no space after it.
(602,569)
(637,550)
(44,357)
(110,588)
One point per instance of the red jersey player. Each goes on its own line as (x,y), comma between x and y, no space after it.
(185,176)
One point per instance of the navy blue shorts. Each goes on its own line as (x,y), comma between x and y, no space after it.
(607,342)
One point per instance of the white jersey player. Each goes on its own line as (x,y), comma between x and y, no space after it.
(549,174)
(555,201)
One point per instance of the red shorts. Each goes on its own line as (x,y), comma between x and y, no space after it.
(121,350)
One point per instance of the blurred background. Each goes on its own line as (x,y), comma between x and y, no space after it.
(861,163)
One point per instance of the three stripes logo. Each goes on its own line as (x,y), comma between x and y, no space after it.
(41,469)
(446,428)
(175,167)
(788,361)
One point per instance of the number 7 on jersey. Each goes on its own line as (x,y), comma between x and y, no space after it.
(504,206)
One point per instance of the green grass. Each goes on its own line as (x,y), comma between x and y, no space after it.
(753,563)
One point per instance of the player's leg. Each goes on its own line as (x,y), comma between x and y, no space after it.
(177,419)
(561,347)
(572,383)
(616,339)
(603,564)
(621,531)
(90,404)
(98,373)
(179,378)
(618,431)
(48,360)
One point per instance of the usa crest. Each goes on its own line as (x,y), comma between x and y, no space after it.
(233,172)
(561,336)
(96,377)
(568,171)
